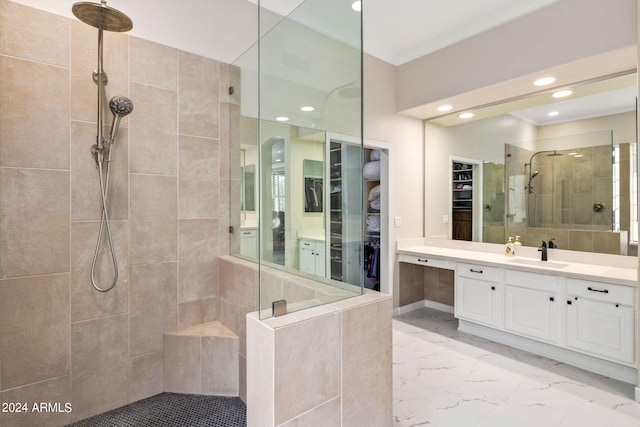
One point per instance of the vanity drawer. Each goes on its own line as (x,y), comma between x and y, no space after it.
(248,233)
(618,294)
(427,261)
(475,271)
(541,282)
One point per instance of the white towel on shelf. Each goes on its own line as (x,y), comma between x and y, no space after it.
(374,155)
(373,223)
(371,170)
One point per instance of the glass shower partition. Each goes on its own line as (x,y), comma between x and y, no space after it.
(296,94)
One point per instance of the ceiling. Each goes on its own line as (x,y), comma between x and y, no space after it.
(395,31)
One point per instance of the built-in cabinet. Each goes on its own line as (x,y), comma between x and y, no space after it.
(312,257)
(249,242)
(601,319)
(593,318)
(476,293)
(531,305)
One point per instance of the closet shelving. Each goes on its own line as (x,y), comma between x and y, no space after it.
(462,200)
(335,211)
(372,224)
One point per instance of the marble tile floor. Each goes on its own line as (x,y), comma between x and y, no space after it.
(443,377)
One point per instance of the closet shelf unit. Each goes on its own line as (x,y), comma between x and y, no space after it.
(462,186)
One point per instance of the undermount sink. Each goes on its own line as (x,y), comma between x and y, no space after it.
(537,263)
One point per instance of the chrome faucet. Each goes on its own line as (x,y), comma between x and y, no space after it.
(543,249)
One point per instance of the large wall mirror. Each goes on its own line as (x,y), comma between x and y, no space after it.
(559,165)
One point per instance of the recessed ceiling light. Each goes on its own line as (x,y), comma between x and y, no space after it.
(577,155)
(357,6)
(282,119)
(571,154)
(307,108)
(544,81)
(445,107)
(562,93)
(553,113)
(465,115)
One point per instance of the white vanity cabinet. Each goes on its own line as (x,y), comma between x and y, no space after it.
(601,319)
(249,242)
(312,257)
(532,304)
(476,293)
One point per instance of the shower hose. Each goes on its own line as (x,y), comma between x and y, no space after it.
(104,223)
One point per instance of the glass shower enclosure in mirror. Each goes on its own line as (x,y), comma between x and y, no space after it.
(567,190)
(293,93)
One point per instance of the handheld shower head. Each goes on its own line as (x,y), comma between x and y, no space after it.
(120,106)
(534,175)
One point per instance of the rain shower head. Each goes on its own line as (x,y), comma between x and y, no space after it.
(554,154)
(101,16)
(120,106)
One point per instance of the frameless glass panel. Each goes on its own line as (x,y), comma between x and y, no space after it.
(296,92)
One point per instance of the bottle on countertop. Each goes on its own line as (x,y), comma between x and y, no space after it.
(510,250)
(517,242)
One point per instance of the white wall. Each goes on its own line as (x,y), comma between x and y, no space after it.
(405,135)
(622,124)
(564,32)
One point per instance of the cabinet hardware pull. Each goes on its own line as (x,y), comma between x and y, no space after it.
(423,260)
(569,302)
(475,271)
(493,288)
(604,291)
(551,299)
(617,305)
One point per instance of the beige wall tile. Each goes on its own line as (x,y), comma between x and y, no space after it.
(146,377)
(86,203)
(197,280)
(153,64)
(366,342)
(220,366)
(34,219)
(225,220)
(326,415)
(199,163)
(84,61)
(198,109)
(229,315)
(197,312)
(154,296)
(153,213)
(55,391)
(34,123)
(580,240)
(227,284)
(86,302)
(317,355)
(198,239)
(100,365)
(33,34)
(229,157)
(153,136)
(182,362)
(34,328)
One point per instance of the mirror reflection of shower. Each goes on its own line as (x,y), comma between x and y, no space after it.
(104,18)
(532,205)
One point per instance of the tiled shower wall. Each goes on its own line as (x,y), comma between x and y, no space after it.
(60,340)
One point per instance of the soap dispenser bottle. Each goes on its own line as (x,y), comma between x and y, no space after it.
(517,242)
(510,250)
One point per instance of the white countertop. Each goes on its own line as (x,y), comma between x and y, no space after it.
(610,268)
